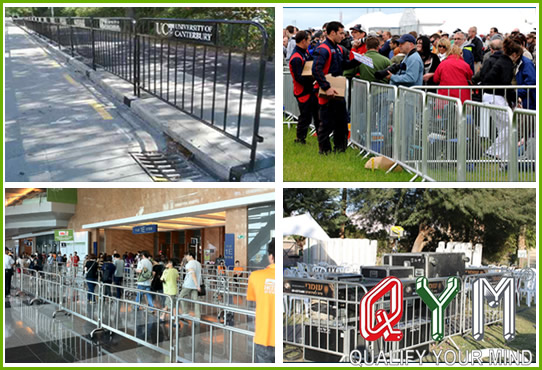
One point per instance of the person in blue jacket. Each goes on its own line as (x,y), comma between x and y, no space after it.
(526,76)
(411,68)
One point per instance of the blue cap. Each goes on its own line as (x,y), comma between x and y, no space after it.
(407,37)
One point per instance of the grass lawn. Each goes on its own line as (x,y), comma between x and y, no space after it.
(303,163)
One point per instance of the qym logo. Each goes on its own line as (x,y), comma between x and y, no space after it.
(481,290)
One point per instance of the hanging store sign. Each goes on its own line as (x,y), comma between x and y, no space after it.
(202,33)
(63,235)
(145,229)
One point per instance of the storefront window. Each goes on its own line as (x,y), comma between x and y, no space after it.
(261,228)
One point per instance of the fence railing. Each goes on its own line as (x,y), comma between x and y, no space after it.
(154,320)
(212,70)
(324,320)
(437,137)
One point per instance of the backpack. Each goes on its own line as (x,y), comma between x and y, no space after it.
(145,275)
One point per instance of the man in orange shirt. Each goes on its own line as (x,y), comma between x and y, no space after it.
(261,289)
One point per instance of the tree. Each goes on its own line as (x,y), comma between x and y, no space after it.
(324,205)
(487,216)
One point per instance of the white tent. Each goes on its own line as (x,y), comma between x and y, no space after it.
(429,20)
(303,225)
(377,21)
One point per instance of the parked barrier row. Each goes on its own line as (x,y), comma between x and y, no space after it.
(436,136)
(154,320)
(217,80)
(325,319)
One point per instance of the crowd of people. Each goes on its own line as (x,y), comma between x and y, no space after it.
(159,275)
(462,58)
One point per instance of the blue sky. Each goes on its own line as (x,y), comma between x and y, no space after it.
(311,17)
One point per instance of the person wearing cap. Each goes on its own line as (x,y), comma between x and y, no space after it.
(331,58)
(304,90)
(358,45)
(411,68)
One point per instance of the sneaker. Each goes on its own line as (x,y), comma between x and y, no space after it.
(300,141)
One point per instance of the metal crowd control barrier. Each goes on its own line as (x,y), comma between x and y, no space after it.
(487,94)
(359,115)
(322,316)
(410,143)
(435,136)
(442,138)
(207,341)
(206,78)
(212,70)
(524,132)
(152,324)
(61,339)
(290,107)
(491,150)
(382,119)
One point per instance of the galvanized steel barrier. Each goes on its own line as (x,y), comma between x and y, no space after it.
(443,139)
(382,119)
(290,107)
(322,316)
(158,324)
(359,113)
(435,136)
(217,77)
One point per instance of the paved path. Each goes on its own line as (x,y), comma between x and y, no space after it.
(58,127)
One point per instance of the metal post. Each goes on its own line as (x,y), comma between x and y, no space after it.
(461,144)
(58,36)
(136,59)
(513,147)
(71,39)
(256,138)
(92,42)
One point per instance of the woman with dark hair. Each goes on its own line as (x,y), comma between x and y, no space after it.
(430,60)
(499,70)
(91,276)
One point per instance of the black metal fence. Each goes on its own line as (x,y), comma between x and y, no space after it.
(213,70)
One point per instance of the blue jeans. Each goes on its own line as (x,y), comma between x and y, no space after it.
(149,295)
(91,286)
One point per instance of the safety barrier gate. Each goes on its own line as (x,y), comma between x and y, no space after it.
(322,317)
(154,320)
(436,136)
(215,74)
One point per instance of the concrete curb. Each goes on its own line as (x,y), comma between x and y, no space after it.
(211,150)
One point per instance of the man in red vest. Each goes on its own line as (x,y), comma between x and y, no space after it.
(303,87)
(331,58)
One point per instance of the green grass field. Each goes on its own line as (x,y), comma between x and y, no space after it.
(303,163)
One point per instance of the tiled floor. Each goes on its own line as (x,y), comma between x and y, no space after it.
(32,335)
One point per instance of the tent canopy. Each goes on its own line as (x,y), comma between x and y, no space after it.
(303,225)
(429,20)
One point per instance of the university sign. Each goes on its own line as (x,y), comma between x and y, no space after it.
(200,32)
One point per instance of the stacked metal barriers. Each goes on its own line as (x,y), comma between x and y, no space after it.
(435,136)
(151,319)
(322,317)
